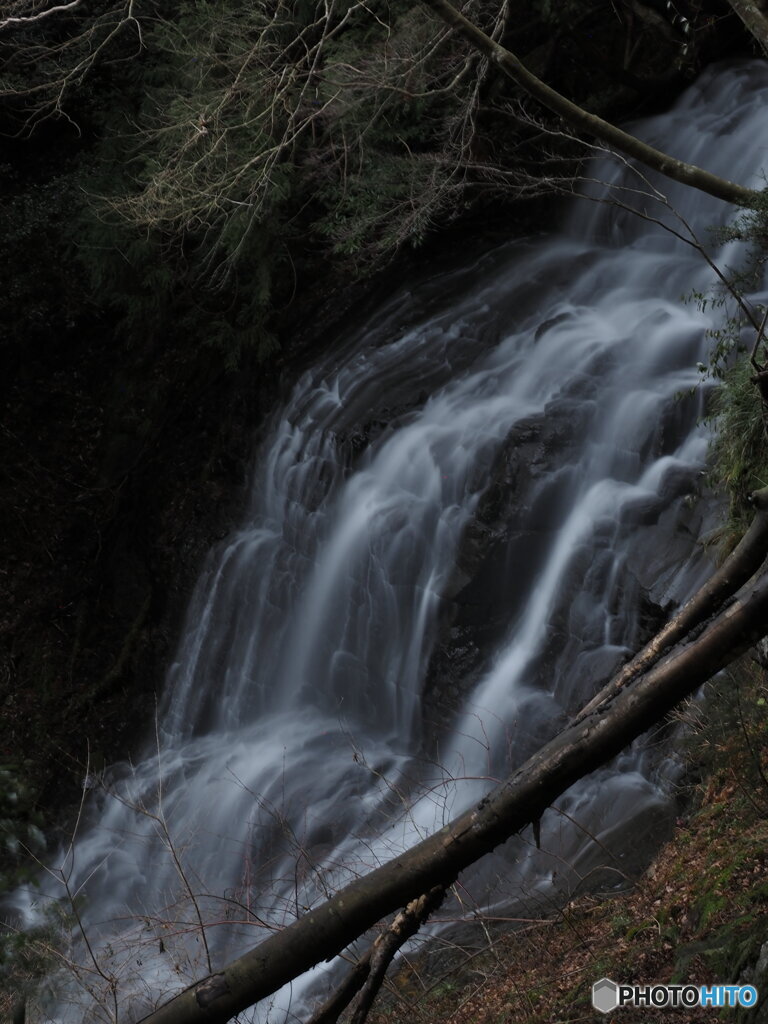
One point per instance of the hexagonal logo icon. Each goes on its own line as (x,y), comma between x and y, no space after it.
(605,995)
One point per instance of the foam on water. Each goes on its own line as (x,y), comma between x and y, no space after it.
(286,755)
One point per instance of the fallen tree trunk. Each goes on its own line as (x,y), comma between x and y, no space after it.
(588,742)
(740,565)
(582,121)
(367,975)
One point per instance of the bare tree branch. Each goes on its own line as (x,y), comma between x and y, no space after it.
(583,121)
(26,19)
(39,75)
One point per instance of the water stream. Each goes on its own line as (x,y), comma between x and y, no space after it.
(291,748)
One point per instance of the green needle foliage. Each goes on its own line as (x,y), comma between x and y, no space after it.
(740,447)
(739,451)
(20,824)
(243,142)
(351,122)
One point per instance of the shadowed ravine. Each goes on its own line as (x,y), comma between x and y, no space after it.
(291,748)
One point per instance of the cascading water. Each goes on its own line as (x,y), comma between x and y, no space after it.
(290,736)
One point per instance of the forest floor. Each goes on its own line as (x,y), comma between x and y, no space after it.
(698,915)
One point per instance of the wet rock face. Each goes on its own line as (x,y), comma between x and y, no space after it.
(480,601)
(757,975)
(515,523)
(501,526)
(761,653)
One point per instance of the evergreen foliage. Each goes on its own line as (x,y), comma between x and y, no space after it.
(241,142)
(226,146)
(348,125)
(740,446)
(44,296)
(739,463)
(20,824)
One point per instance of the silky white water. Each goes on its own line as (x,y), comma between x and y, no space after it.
(290,749)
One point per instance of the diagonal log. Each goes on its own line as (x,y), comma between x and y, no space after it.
(582,121)
(740,565)
(754,20)
(588,742)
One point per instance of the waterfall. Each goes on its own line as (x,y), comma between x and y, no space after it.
(291,749)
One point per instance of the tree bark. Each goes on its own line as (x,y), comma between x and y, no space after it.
(587,743)
(754,19)
(368,973)
(591,124)
(742,563)
(339,1000)
(405,925)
